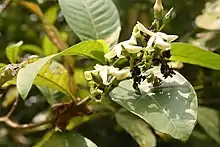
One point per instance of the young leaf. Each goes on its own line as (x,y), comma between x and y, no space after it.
(137,128)
(12,52)
(190,54)
(210,121)
(27,75)
(55,76)
(170,108)
(92,20)
(65,139)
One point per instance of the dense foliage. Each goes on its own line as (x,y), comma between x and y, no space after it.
(108,73)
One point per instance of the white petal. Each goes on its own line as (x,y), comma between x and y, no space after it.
(160,43)
(131,48)
(168,38)
(162,35)
(104,75)
(98,67)
(145,30)
(151,41)
(132,40)
(122,74)
(111,54)
(118,49)
(172,38)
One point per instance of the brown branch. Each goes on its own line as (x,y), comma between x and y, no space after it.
(6,119)
(13,108)
(5,5)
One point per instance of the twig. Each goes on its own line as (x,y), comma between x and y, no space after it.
(84,101)
(5,5)
(6,119)
(13,108)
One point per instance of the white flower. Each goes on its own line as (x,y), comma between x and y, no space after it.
(105,71)
(161,40)
(129,45)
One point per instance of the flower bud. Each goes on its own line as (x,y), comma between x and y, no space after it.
(167,17)
(158,10)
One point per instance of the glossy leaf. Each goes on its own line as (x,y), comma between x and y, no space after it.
(193,55)
(27,75)
(65,139)
(170,108)
(209,119)
(137,128)
(12,52)
(92,20)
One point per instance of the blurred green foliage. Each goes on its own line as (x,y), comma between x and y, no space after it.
(17,23)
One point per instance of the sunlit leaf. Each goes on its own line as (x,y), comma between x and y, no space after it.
(170,108)
(27,75)
(65,139)
(190,54)
(209,119)
(92,20)
(54,76)
(12,52)
(137,128)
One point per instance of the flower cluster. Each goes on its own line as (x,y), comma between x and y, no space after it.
(140,57)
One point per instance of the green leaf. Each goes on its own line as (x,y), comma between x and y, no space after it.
(27,75)
(48,47)
(65,139)
(170,108)
(32,48)
(137,128)
(92,49)
(55,76)
(190,54)
(12,52)
(51,14)
(92,20)
(210,121)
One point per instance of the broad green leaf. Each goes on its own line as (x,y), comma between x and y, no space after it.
(91,19)
(27,75)
(190,54)
(170,108)
(65,139)
(92,49)
(51,14)
(55,76)
(12,52)
(137,128)
(31,48)
(48,47)
(209,119)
